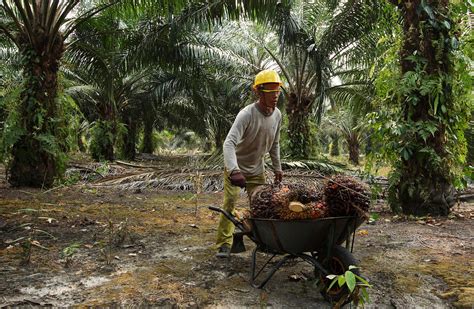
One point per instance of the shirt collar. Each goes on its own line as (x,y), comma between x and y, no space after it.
(263,112)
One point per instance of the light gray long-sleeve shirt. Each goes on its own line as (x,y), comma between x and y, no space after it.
(251,137)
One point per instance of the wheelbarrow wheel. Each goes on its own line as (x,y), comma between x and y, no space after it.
(337,264)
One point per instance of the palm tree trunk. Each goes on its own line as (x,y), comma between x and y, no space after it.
(335,145)
(111,132)
(130,138)
(469,134)
(148,145)
(354,146)
(103,139)
(37,154)
(324,143)
(298,126)
(424,188)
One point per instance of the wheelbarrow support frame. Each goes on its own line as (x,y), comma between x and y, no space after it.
(311,259)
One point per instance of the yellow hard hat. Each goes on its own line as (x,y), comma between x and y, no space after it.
(266,76)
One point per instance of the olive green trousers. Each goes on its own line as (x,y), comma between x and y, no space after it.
(226,228)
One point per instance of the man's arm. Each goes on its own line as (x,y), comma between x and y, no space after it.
(233,138)
(275,150)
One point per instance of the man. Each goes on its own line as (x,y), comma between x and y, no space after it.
(254,133)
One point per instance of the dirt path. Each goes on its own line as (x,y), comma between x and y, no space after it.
(93,246)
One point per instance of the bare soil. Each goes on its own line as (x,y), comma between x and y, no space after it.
(88,245)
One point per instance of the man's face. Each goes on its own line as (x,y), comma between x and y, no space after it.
(269,94)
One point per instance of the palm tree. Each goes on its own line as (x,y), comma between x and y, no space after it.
(149,115)
(209,83)
(195,81)
(114,53)
(204,102)
(39,29)
(328,134)
(108,84)
(432,109)
(333,56)
(350,126)
(321,42)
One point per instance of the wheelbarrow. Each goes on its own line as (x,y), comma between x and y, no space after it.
(317,242)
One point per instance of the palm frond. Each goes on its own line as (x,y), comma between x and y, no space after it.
(355,19)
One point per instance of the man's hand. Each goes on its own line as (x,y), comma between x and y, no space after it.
(237,179)
(278,176)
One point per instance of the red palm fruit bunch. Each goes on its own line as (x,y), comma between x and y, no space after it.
(312,210)
(273,202)
(263,204)
(317,210)
(346,196)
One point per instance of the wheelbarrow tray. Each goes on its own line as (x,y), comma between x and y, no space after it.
(299,236)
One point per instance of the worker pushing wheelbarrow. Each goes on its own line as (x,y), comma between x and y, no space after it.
(255,133)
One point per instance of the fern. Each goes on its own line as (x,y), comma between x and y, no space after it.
(10,132)
(49,143)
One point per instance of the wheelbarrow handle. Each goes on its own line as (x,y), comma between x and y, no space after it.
(229,216)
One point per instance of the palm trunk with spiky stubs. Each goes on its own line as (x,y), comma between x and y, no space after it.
(129,138)
(297,110)
(422,187)
(104,134)
(110,116)
(353,144)
(102,141)
(148,145)
(335,145)
(33,164)
(469,133)
(109,130)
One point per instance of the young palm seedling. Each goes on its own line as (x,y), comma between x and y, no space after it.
(356,285)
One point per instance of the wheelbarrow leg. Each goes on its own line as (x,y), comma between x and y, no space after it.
(351,235)
(238,243)
(331,241)
(311,259)
(271,271)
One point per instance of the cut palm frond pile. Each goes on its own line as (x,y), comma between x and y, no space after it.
(341,196)
(94,171)
(174,180)
(188,174)
(322,166)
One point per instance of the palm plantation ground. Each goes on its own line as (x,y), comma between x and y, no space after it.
(96,243)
